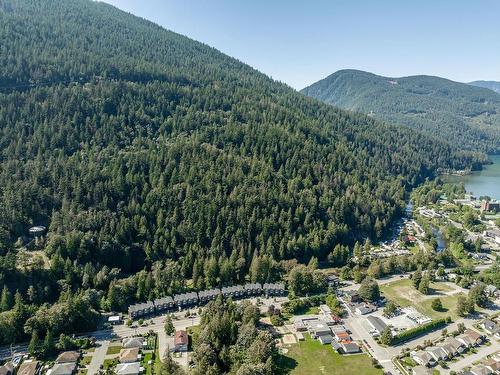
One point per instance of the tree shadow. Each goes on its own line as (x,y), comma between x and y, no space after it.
(284,365)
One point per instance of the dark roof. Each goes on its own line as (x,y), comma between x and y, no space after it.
(251,286)
(163,301)
(376,323)
(209,293)
(185,296)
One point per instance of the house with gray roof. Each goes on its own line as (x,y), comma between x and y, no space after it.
(141,309)
(274,289)
(186,299)
(208,295)
(133,368)
(164,303)
(234,291)
(423,358)
(378,326)
(437,352)
(253,289)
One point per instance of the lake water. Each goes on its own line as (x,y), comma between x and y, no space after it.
(485,182)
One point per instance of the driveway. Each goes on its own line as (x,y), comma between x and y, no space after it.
(98,357)
(482,352)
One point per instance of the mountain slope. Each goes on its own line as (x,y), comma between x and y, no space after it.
(463,115)
(155,160)
(492,85)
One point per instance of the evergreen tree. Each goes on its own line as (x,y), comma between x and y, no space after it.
(6,299)
(34,344)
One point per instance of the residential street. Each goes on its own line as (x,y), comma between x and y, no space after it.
(482,352)
(98,357)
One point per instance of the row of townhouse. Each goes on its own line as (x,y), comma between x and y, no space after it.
(450,348)
(185,300)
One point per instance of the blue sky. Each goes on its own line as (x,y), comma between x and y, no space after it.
(300,42)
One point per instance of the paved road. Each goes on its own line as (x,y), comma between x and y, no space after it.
(98,357)
(470,359)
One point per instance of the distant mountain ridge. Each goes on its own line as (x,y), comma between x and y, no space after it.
(492,85)
(457,113)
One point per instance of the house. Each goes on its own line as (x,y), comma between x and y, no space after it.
(325,310)
(28,367)
(349,348)
(377,324)
(490,327)
(493,234)
(114,319)
(235,291)
(476,337)
(66,368)
(353,296)
(450,350)
(129,355)
(69,356)
(458,347)
(186,299)
(181,341)
(274,289)
(7,369)
(208,295)
(252,289)
(332,281)
(364,308)
(421,370)
(480,370)
(491,291)
(164,304)
(319,329)
(336,346)
(438,353)
(141,309)
(133,368)
(325,339)
(493,365)
(423,358)
(133,342)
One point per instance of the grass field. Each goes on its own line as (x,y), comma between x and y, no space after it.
(113,350)
(404,294)
(310,357)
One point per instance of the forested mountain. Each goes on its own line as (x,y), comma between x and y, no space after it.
(492,85)
(463,115)
(155,160)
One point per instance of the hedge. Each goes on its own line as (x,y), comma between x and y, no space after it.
(417,331)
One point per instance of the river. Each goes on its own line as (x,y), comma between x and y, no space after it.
(485,182)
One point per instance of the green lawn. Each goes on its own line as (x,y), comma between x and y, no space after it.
(84,361)
(144,363)
(113,350)
(404,294)
(310,357)
(110,363)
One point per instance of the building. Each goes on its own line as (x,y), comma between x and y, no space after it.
(490,327)
(67,368)
(480,370)
(423,358)
(457,346)
(252,289)
(364,308)
(493,206)
(475,337)
(325,310)
(67,357)
(208,295)
(325,339)
(353,296)
(493,234)
(438,353)
(133,342)
(234,291)
(493,365)
(491,291)
(377,325)
(7,369)
(37,231)
(349,348)
(114,319)
(141,309)
(186,299)
(332,281)
(274,289)
(129,355)
(28,367)
(133,368)
(181,341)
(164,304)
(421,370)
(319,329)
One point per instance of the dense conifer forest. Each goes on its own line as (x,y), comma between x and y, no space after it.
(466,116)
(158,164)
